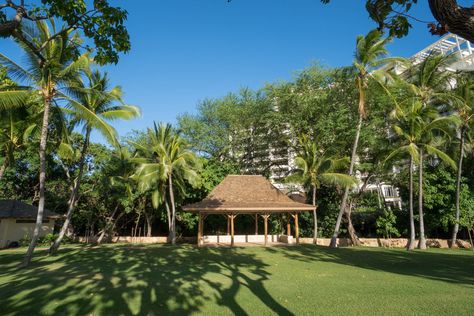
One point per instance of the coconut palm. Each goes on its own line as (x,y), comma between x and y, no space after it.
(11,95)
(120,184)
(428,84)
(464,104)
(315,168)
(416,126)
(369,54)
(165,161)
(95,105)
(48,71)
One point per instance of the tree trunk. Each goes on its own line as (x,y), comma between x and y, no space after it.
(173,210)
(74,195)
(342,209)
(411,242)
(422,242)
(3,168)
(350,228)
(315,217)
(42,180)
(148,224)
(470,238)
(107,225)
(453,18)
(9,27)
(136,225)
(458,189)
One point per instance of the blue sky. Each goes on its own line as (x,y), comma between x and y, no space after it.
(188,50)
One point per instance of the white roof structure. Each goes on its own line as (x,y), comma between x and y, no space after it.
(450,44)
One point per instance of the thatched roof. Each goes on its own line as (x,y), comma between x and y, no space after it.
(247,194)
(19,209)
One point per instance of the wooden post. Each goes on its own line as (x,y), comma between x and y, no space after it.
(232,229)
(297,231)
(265,227)
(228,225)
(288,228)
(199,237)
(256,224)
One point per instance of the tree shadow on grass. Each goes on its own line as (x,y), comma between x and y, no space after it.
(132,280)
(453,266)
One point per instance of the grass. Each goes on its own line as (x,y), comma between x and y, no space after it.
(303,280)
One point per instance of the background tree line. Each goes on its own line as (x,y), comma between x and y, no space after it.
(373,118)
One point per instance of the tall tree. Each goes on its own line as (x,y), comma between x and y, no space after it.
(413,122)
(165,161)
(370,50)
(48,75)
(464,104)
(315,168)
(428,84)
(95,106)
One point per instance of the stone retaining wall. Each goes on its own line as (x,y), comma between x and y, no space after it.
(380,242)
(137,240)
(341,242)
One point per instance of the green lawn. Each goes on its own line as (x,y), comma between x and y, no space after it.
(304,280)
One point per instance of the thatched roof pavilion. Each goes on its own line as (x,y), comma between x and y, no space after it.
(246,194)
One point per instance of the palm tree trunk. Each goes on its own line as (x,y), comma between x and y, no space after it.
(350,228)
(136,225)
(315,217)
(42,180)
(167,206)
(148,224)
(173,210)
(168,214)
(3,168)
(470,237)
(107,225)
(342,209)
(422,242)
(411,241)
(458,189)
(74,195)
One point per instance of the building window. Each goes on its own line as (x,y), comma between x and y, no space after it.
(29,221)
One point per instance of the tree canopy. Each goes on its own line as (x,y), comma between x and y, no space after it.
(97,20)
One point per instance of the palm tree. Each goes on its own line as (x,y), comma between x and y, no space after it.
(369,54)
(415,126)
(465,107)
(315,168)
(50,68)
(165,160)
(426,83)
(94,107)
(12,96)
(120,185)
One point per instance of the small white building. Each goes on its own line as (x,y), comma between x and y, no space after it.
(17,220)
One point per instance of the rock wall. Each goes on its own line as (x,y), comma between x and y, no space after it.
(341,242)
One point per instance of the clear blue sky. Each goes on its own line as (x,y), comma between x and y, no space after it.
(185,51)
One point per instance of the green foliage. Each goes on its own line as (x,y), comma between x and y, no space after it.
(98,20)
(391,15)
(386,224)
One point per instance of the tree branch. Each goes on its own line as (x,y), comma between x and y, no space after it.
(452,18)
